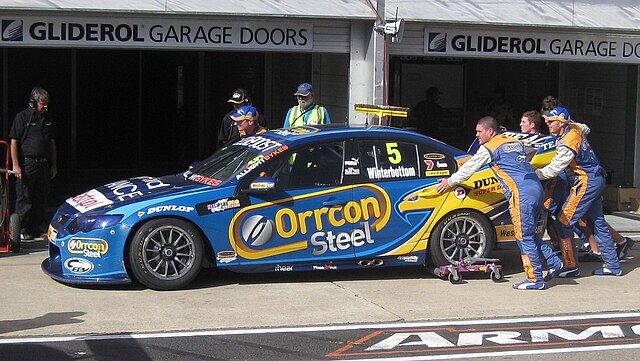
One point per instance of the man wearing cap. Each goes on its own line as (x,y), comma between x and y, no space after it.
(228,129)
(246,119)
(507,159)
(587,180)
(306,112)
(428,114)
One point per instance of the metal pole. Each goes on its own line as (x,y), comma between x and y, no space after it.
(380,61)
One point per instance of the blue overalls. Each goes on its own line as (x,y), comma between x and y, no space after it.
(587,180)
(524,191)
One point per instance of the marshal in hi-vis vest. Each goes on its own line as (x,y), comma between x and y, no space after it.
(313,116)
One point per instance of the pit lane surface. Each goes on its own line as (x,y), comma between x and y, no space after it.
(585,337)
(35,306)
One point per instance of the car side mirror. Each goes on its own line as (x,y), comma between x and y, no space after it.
(261,185)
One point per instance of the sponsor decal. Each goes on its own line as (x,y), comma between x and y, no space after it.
(437,173)
(205,180)
(441,164)
(534,140)
(429,163)
(226,256)
(257,230)
(88,247)
(295,131)
(259,143)
(52,234)
(351,171)
(505,232)
(172,208)
(326,267)
(253,164)
(89,200)
(354,162)
(460,192)
(134,187)
(485,182)
(78,265)
(391,172)
(328,241)
(408,259)
(433,156)
(276,152)
(251,229)
(485,186)
(282,268)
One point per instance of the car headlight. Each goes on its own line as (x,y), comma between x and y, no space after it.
(91,222)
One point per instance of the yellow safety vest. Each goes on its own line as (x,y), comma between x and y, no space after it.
(315,116)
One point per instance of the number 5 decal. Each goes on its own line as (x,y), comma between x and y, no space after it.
(393,153)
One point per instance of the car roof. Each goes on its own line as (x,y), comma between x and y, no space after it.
(308,134)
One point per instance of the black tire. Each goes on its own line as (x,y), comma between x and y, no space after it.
(166,254)
(14,232)
(460,234)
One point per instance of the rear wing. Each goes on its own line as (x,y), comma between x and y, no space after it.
(382,111)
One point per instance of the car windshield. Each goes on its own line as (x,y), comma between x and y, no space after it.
(227,162)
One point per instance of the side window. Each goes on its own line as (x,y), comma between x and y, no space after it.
(388,160)
(434,163)
(317,165)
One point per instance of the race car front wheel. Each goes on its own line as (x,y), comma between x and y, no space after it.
(166,254)
(461,234)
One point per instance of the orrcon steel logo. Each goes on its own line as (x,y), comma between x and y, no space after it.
(12,30)
(257,230)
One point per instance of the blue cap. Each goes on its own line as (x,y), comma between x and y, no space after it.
(558,113)
(247,112)
(304,89)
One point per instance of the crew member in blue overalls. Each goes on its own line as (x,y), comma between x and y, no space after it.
(587,180)
(508,161)
(306,112)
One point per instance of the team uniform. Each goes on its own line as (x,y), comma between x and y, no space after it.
(584,200)
(508,160)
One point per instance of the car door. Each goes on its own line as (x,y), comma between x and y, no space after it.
(303,220)
(406,174)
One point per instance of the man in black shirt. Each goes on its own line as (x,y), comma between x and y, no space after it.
(228,129)
(33,154)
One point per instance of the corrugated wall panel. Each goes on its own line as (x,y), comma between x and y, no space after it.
(331,37)
(412,41)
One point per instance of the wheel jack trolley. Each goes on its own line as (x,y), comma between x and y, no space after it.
(9,223)
(453,272)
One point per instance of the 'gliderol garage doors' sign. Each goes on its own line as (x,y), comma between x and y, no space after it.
(156,33)
(532,45)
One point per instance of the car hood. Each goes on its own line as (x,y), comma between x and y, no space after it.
(132,190)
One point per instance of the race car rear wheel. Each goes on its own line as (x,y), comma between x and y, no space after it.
(166,254)
(461,234)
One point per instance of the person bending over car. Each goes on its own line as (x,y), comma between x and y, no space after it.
(508,161)
(586,181)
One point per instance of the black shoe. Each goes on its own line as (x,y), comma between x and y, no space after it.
(623,248)
(590,257)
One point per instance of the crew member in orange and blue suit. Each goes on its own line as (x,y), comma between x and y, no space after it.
(587,180)
(508,161)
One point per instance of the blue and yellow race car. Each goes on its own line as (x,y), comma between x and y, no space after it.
(309,198)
